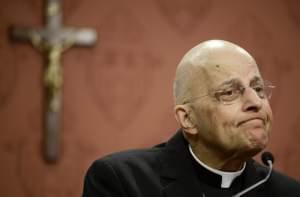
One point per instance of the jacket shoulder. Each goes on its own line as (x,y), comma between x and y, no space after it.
(132,156)
(121,172)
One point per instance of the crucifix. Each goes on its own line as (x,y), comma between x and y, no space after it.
(52,40)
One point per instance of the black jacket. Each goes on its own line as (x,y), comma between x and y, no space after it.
(167,170)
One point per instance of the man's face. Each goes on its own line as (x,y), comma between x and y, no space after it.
(238,127)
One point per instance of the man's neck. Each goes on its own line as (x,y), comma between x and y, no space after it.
(228,163)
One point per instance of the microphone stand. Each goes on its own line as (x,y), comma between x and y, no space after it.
(269,162)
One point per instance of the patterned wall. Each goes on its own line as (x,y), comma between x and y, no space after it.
(118,94)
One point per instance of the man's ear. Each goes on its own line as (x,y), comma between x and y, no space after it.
(183,117)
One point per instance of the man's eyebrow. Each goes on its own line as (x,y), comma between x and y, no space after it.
(227,83)
(256,79)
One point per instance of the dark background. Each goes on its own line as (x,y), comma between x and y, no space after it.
(118,94)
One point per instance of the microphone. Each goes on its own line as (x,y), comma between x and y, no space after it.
(268,159)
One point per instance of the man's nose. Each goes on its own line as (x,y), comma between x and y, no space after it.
(251,101)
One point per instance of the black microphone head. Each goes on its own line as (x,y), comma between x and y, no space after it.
(266,156)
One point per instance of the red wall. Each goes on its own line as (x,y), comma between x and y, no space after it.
(118,94)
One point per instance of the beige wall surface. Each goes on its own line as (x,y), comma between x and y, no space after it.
(118,94)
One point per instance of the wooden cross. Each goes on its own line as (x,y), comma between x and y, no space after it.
(53,40)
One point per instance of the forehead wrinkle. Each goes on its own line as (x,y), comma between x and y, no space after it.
(230,81)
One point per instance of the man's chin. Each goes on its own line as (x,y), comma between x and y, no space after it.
(254,146)
(258,138)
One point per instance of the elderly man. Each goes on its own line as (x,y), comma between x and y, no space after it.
(221,104)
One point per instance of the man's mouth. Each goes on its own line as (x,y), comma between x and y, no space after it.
(254,120)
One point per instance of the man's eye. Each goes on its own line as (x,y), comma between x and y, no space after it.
(227,93)
(258,89)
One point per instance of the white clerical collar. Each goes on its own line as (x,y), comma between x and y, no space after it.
(227,177)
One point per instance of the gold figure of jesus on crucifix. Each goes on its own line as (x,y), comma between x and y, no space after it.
(53,78)
(53,40)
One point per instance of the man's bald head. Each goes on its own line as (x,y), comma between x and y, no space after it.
(195,67)
(222,104)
